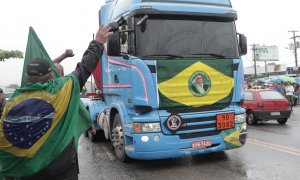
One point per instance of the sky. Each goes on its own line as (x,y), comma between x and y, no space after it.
(70,24)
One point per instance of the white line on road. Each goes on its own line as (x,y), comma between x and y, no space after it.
(277,147)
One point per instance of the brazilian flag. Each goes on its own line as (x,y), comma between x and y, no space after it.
(186,85)
(40,120)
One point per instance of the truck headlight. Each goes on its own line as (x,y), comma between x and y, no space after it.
(147,127)
(240,118)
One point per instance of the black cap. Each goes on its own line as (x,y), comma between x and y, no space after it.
(38,67)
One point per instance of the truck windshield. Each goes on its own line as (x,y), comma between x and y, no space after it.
(178,36)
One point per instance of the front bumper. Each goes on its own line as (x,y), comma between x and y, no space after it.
(160,146)
(272,114)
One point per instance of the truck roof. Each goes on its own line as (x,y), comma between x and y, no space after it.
(115,9)
(207,2)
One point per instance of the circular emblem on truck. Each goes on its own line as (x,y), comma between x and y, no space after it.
(199,83)
(174,122)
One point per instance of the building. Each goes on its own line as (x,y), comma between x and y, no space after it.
(271,70)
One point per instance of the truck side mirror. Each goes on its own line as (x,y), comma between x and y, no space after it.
(114,26)
(242,44)
(113,44)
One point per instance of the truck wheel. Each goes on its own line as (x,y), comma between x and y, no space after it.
(251,120)
(282,120)
(118,140)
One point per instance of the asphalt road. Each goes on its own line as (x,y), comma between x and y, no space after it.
(272,151)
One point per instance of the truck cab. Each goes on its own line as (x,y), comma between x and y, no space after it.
(171,78)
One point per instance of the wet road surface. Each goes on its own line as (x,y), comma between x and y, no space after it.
(272,151)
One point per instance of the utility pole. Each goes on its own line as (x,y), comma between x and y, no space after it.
(254,59)
(266,69)
(295,47)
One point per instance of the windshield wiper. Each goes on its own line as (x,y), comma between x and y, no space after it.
(209,55)
(167,56)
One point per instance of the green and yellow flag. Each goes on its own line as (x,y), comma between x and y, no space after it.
(35,49)
(40,120)
(190,84)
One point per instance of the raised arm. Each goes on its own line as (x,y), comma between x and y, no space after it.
(91,56)
(66,54)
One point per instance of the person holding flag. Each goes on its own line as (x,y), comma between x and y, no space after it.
(41,124)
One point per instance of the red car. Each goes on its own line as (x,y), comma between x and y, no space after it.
(264,105)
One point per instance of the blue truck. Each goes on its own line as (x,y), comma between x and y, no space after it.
(170,80)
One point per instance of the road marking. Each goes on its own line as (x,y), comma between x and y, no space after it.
(277,147)
(108,153)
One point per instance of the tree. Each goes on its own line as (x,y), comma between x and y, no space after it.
(10,54)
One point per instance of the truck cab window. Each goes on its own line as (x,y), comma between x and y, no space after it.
(186,36)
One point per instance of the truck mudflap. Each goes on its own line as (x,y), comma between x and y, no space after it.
(235,137)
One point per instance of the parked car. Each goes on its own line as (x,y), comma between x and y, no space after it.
(264,105)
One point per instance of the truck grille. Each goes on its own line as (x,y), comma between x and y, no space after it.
(199,134)
(197,127)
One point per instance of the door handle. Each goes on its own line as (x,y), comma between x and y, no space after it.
(116,78)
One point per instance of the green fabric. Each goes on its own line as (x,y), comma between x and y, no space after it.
(72,124)
(35,49)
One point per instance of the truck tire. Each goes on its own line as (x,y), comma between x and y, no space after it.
(118,140)
(251,119)
(282,120)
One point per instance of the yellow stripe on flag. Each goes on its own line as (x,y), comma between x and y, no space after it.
(60,103)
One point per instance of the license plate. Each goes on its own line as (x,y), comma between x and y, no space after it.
(225,121)
(275,113)
(201,144)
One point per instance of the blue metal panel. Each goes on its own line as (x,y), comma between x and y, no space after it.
(143,86)
(170,146)
(94,107)
(115,9)
(217,2)
(239,81)
(116,79)
(189,8)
